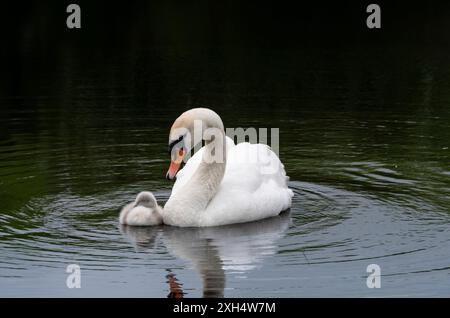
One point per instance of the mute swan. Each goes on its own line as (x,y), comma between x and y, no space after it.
(211,192)
(143,211)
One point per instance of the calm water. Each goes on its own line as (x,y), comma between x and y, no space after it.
(364,136)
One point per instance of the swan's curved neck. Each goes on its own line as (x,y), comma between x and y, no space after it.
(211,170)
(196,194)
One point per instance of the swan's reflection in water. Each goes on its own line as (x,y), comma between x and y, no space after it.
(213,251)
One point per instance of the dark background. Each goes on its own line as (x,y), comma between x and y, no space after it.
(37,45)
(40,26)
(109,24)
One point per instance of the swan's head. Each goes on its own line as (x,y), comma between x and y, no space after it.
(187,131)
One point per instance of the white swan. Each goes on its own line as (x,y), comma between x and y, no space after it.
(144,211)
(248,184)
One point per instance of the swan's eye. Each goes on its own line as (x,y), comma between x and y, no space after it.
(181,152)
(173,143)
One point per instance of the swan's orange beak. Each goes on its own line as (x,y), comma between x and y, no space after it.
(175,165)
(173,169)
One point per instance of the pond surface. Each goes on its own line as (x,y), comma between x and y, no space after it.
(364,136)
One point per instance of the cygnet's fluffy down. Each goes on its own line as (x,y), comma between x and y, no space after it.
(144,211)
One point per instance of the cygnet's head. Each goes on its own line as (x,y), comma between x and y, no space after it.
(145,199)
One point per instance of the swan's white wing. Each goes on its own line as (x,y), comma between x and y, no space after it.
(254,187)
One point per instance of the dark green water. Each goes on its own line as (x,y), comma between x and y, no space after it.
(364,136)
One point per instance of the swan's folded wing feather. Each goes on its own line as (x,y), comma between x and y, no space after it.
(254,187)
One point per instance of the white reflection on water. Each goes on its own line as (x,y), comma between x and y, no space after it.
(214,251)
